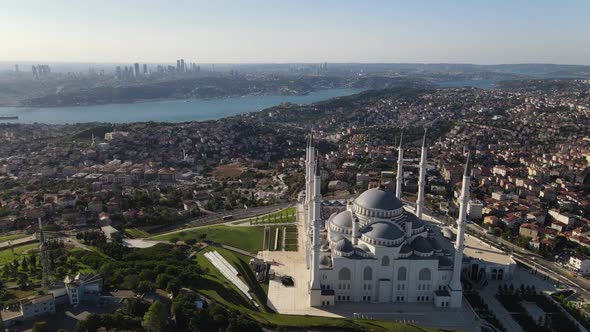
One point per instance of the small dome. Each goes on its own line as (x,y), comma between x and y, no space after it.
(343,219)
(383,230)
(416,222)
(344,245)
(421,245)
(378,199)
(326,260)
(405,249)
(434,244)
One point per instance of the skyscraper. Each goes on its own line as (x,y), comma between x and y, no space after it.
(136,67)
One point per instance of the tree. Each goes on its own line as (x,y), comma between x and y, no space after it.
(144,286)
(173,286)
(155,318)
(135,307)
(162,280)
(40,327)
(173,240)
(190,242)
(25,264)
(23,280)
(91,324)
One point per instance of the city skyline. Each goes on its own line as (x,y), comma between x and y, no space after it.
(295,32)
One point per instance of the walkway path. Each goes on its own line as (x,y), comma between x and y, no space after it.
(11,243)
(238,250)
(487,294)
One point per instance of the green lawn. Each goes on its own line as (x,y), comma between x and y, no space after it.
(7,255)
(245,238)
(242,264)
(136,233)
(12,237)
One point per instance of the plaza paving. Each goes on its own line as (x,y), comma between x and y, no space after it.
(295,300)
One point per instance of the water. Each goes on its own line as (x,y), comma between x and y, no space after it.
(164,111)
(482,84)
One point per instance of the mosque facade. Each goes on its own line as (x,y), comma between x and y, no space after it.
(376,250)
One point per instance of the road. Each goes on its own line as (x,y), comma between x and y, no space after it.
(526,257)
(217,217)
(536,262)
(16,242)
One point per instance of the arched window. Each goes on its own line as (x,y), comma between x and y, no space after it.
(344,274)
(368,273)
(424,274)
(385,261)
(401,273)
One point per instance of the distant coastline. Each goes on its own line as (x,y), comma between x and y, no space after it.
(166,110)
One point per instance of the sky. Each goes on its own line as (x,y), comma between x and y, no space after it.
(282,31)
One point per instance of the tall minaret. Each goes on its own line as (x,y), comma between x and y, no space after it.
(308,198)
(310,157)
(310,193)
(455,284)
(315,289)
(421,179)
(400,169)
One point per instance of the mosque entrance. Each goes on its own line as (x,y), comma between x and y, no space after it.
(384,291)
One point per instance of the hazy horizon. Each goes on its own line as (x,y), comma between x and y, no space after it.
(259,31)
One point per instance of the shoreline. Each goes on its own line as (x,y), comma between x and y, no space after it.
(141,101)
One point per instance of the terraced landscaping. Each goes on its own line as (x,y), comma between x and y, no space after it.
(278,217)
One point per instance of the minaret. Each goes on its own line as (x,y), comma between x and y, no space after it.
(421,179)
(455,284)
(310,193)
(309,159)
(308,197)
(315,289)
(400,169)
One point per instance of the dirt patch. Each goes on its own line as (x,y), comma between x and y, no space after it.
(228,171)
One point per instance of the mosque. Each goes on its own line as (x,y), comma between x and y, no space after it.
(376,251)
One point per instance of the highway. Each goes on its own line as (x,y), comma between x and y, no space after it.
(535,262)
(217,217)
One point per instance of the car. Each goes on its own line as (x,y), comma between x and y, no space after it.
(288,281)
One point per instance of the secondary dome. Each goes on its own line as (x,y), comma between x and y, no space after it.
(378,199)
(383,231)
(343,220)
(344,245)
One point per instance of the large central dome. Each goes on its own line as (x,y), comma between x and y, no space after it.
(377,199)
